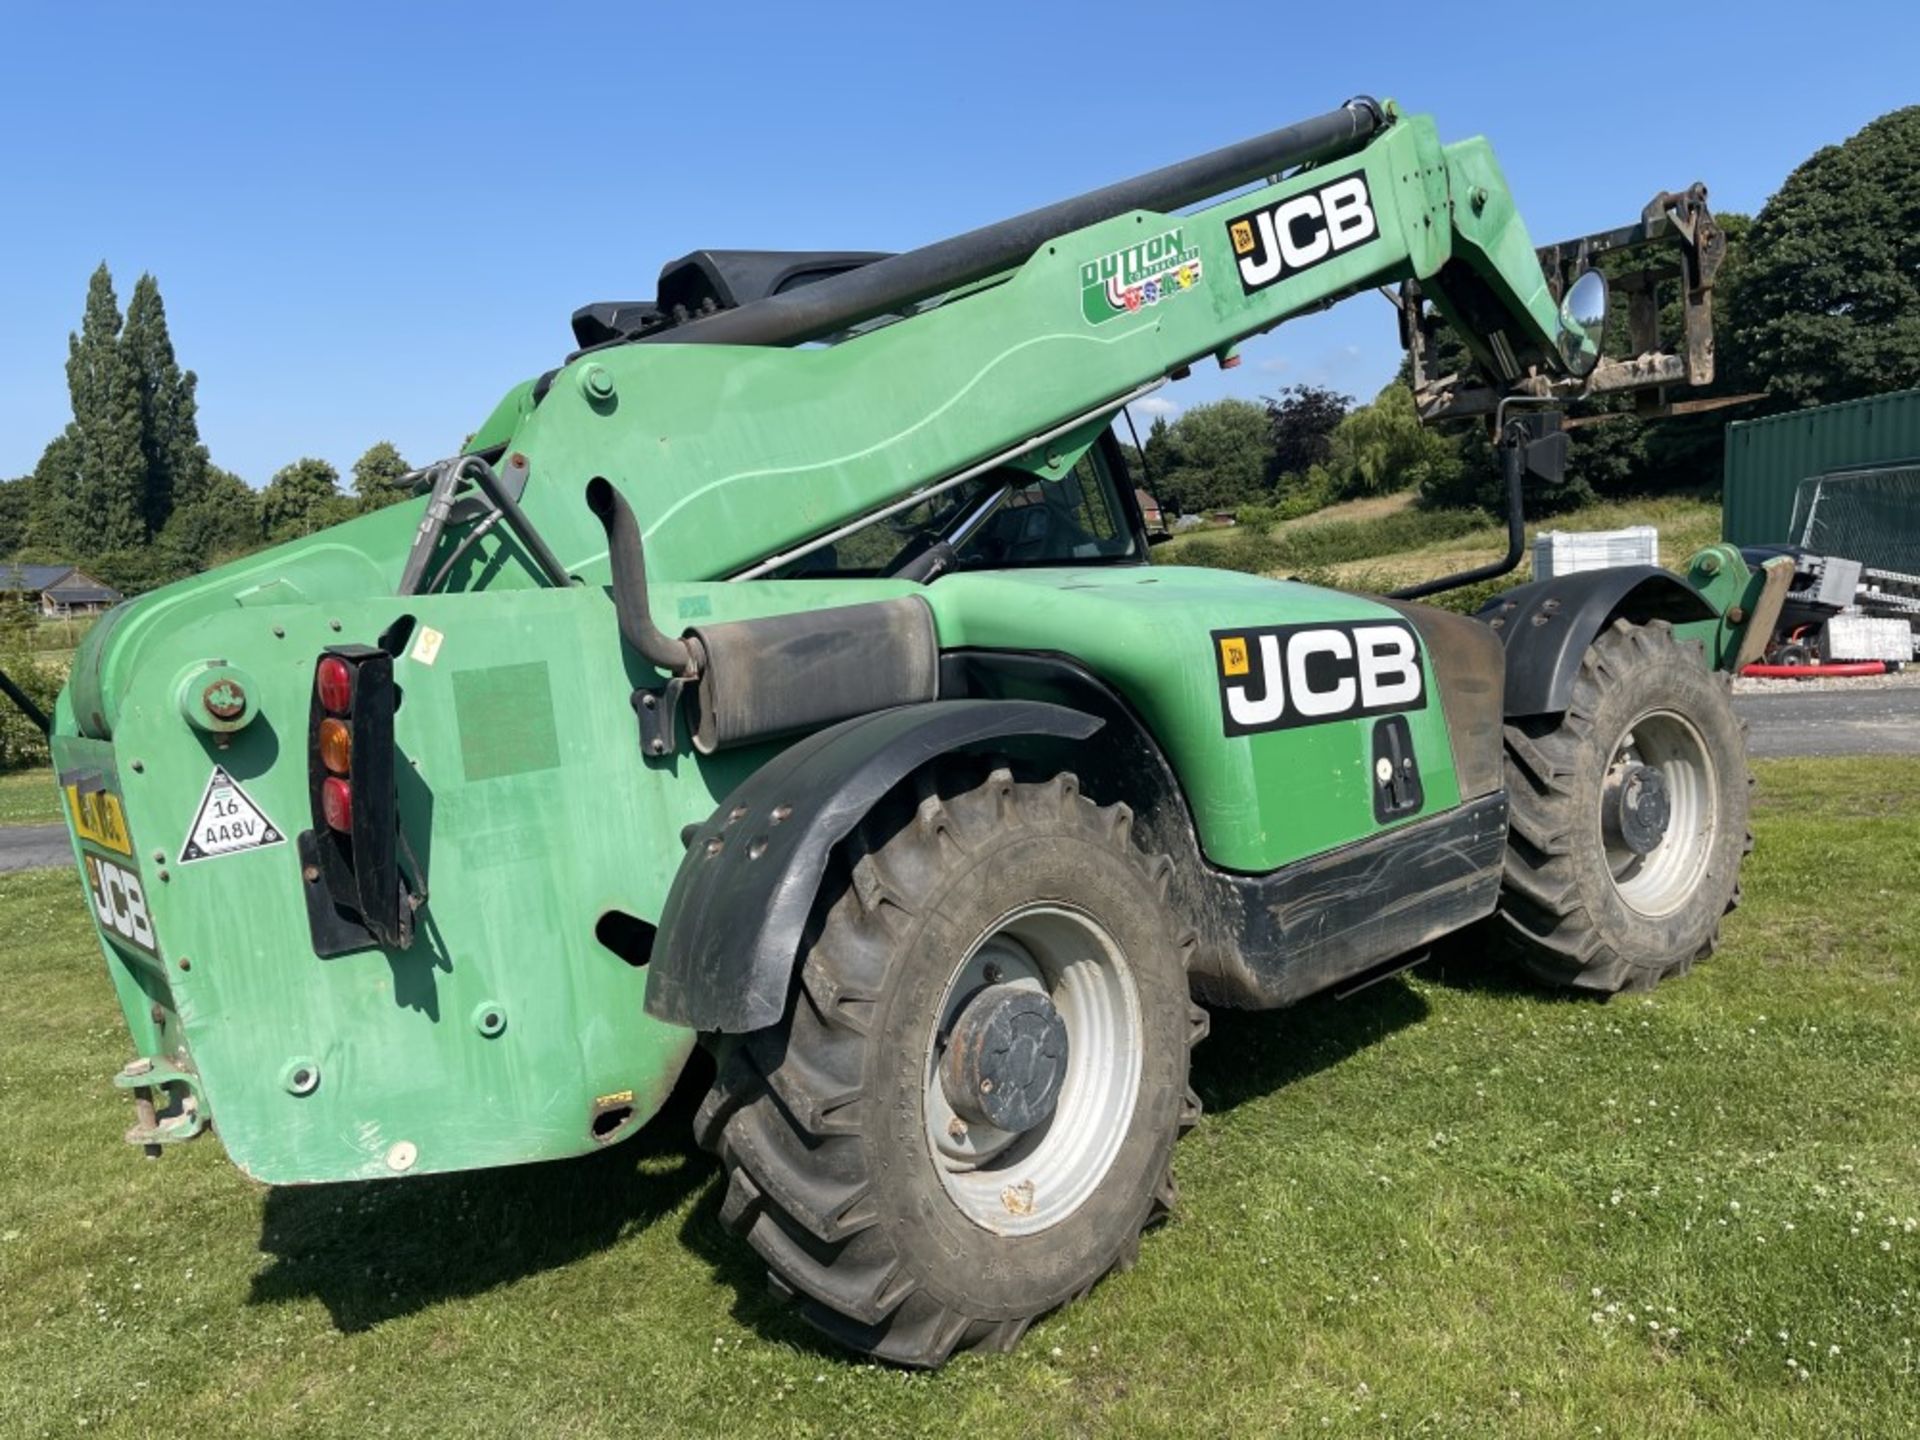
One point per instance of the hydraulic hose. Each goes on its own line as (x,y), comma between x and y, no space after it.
(811,311)
(628,559)
(1849,671)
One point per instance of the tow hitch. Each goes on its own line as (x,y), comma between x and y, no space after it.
(166,1104)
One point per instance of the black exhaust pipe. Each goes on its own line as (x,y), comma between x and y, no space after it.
(629,563)
(811,311)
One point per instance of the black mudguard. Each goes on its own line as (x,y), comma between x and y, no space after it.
(1548,625)
(731,928)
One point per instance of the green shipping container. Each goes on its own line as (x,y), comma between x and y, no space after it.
(1767,459)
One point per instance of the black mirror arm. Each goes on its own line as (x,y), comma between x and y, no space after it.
(1513,467)
(1529,445)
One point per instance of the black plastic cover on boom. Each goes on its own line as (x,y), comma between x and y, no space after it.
(813,311)
(707,281)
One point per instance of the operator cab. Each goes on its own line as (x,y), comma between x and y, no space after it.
(1006,518)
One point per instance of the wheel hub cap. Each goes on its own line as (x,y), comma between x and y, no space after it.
(1006,1059)
(1638,808)
(1064,1062)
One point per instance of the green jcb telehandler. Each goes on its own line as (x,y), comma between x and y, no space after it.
(784,674)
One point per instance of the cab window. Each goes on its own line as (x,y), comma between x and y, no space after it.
(1077,519)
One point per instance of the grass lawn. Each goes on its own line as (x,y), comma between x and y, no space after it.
(28,797)
(1453,1205)
(1385,542)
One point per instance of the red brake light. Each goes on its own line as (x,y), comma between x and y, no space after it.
(336,804)
(334,680)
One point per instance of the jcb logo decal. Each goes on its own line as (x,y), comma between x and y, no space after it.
(1279,676)
(120,903)
(1302,231)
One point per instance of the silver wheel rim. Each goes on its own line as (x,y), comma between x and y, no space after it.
(1022,1184)
(1662,880)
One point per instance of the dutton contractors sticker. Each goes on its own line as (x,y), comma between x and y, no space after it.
(227,822)
(1156,269)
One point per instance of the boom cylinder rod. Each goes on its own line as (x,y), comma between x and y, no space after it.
(812,311)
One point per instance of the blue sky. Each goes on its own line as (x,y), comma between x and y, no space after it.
(369,220)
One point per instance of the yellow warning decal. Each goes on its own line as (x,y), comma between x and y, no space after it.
(1233,655)
(97,816)
(1242,232)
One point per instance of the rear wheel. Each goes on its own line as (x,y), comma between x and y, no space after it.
(1628,817)
(969,1114)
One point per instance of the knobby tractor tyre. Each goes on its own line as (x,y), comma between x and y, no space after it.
(969,1114)
(1629,817)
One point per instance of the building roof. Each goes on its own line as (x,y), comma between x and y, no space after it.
(83,594)
(65,583)
(32,577)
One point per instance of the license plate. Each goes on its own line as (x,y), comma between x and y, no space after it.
(97,816)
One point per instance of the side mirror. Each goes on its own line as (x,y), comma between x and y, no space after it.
(1583,321)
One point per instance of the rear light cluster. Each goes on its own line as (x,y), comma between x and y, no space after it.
(333,687)
(350,854)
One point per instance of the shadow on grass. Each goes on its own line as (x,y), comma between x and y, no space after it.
(1254,1053)
(739,1267)
(1249,1054)
(377,1250)
(1471,961)
(371,1251)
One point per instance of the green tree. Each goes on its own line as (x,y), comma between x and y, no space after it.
(135,570)
(1828,302)
(1382,448)
(1217,457)
(16,503)
(221,523)
(21,743)
(376,476)
(302,498)
(94,499)
(176,461)
(50,496)
(1300,423)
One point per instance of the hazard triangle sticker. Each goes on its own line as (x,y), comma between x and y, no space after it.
(227,822)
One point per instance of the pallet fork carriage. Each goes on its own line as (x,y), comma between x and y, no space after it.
(781,674)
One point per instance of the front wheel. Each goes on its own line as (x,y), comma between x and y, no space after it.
(1628,817)
(969,1113)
